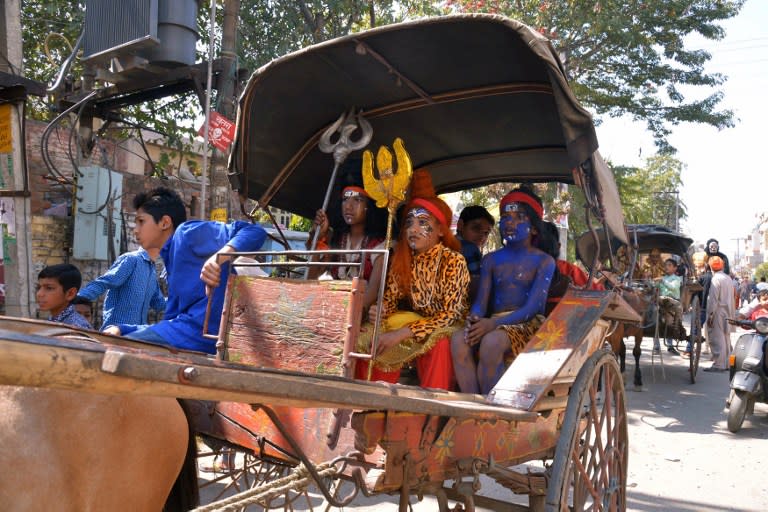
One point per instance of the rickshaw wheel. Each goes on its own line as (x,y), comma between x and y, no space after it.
(589,471)
(250,472)
(696,337)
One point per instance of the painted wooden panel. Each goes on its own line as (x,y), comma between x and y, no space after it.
(291,324)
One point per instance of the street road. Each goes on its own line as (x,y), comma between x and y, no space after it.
(682,457)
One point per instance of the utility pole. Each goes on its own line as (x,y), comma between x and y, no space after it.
(738,242)
(225,103)
(16,207)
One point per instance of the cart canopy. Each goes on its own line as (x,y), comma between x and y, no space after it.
(648,236)
(477,99)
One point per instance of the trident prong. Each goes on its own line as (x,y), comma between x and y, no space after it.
(346,125)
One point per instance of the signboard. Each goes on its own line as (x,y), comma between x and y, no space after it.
(219,214)
(6,139)
(221,131)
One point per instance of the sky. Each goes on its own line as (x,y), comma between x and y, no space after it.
(724,180)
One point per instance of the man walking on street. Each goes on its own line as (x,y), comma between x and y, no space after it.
(720,307)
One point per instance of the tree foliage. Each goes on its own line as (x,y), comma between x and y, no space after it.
(630,58)
(622,57)
(650,194)
(761,271)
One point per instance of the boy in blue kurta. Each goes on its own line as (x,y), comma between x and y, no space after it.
(191,251)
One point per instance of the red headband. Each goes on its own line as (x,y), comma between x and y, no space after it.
(353,188)
(431,208)
(521,197)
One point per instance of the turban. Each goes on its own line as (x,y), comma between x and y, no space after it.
(716,263)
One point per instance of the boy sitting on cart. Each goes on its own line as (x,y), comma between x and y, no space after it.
(514,282)
(670,285)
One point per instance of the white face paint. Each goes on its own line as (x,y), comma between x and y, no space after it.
(354,206)
(421,229)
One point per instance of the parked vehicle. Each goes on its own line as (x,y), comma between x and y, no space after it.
(749,379)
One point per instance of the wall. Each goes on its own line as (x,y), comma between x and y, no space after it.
(50,220)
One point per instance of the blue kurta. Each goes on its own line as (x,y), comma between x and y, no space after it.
(184,254)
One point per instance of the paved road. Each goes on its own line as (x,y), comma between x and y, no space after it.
(682,457)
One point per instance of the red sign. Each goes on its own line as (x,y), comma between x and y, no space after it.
(221,131)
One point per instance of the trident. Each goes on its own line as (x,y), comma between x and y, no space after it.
(345,125)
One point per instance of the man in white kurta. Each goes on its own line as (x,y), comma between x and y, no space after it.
(720,306)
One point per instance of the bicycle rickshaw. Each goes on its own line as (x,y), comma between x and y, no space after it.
(658,321)
(477,99)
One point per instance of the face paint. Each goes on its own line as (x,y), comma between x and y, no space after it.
(419,229)
(514,225)
(353,206)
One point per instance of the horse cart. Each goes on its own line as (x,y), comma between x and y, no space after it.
(662,319)
(477,100)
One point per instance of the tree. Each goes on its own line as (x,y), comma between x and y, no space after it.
(271,29)
(629,58)
(649,195)
(761,271)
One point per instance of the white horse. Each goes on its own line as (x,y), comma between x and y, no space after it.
(67,450)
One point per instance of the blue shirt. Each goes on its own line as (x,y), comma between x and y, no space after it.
(184,254)
(132,290)
(473,256)
(71,317)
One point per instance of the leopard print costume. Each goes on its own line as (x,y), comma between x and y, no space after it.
(438,293)
(519,335)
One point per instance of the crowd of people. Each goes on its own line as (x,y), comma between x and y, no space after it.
(456,317)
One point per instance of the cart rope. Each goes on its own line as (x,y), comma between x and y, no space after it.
(298,480)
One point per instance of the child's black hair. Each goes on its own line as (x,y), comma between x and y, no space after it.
(549,239)
(81,300)
(67,275)
(162,201)
(476,211)
(672,261)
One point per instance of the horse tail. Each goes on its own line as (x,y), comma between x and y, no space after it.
(185,494)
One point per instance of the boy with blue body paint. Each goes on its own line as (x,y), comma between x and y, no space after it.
(514,282)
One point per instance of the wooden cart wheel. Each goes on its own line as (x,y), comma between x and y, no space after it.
(696,338)
(250,472)
(589,472)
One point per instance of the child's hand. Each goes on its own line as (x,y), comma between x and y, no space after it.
(474,333)
(112,329)
(211,271)
(370,315)
(322,223)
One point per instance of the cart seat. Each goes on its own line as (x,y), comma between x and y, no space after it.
(292,324)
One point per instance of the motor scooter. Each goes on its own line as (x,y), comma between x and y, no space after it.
(749,376)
